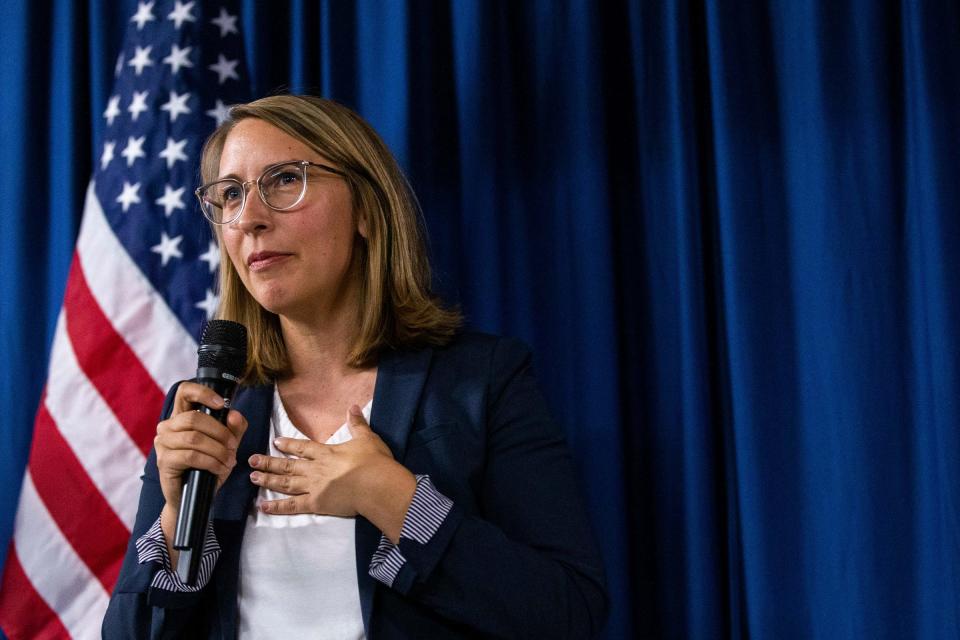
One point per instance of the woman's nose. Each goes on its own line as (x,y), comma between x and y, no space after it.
(256,215)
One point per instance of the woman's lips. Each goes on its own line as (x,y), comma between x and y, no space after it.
(265,259)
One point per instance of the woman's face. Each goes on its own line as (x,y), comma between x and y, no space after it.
(295,263)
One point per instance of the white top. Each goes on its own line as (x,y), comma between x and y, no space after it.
(298,574)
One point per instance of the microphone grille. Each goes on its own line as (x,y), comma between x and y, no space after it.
(224,346)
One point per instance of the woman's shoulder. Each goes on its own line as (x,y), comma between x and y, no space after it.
(466,375)
(472,359)
(468,360)
(476,347)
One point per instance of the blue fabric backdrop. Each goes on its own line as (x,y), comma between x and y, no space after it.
(728,230)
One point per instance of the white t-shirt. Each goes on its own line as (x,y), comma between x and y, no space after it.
(298,574)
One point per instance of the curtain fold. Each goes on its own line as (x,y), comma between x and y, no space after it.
(729,232)
(931,228)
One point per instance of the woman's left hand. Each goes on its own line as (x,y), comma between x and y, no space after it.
(357,477)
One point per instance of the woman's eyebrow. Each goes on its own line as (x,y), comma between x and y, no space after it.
(237,177)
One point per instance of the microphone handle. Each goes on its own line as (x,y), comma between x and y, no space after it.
(198,489)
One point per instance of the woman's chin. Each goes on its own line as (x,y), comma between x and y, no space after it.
(272,299)
(288,307)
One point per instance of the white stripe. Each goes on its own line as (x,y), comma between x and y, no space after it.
(56,571)
(136,310)
(104,448)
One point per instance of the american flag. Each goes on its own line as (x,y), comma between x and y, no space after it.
(139,288)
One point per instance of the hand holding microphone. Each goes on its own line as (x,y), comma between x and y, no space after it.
(197,445)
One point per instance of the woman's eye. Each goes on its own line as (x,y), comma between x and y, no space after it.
(230,193)
(286,178)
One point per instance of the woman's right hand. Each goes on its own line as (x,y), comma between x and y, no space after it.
(190,439)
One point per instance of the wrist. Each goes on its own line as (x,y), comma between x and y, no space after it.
(168,523)
(387,498)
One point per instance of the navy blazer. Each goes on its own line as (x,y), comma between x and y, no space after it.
(514,558)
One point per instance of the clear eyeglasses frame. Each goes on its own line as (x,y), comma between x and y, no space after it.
(281,186)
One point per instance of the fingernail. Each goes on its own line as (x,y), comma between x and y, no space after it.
(276,442)
(255,477)
(254,460)
(355,410)
(218,401)
(265,507)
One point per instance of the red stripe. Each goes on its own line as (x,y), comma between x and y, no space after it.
(86,519)
(109,363)
(23,613)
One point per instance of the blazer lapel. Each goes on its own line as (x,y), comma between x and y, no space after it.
(233,499)
(400,379)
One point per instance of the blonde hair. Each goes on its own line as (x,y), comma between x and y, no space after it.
(397,308)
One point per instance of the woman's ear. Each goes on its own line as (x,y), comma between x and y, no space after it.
(362,228)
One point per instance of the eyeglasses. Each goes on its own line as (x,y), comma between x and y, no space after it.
(281,186)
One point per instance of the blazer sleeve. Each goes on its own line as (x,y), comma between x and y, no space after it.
(526,565)
(136,609)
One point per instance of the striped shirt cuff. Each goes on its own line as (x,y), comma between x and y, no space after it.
(427,511)
(152,547)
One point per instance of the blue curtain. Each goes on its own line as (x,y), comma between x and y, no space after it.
(728,230)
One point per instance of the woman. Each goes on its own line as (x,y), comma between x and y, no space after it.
(382,474)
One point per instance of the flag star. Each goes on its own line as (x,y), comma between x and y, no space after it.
(209,304)
(176,105)
(143,15)
(172,199)
(107,156)
(113,109)
(226,22)
(174,151)
(134,149)
(178,58)
(181,13)
(168,248)
(141,59)
(220,112)
(138,105)
(118,68)
(225,69)
(212,256)
(129,196)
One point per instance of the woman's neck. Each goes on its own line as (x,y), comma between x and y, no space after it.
(316,351)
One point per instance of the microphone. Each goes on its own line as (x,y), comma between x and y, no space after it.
(222,358)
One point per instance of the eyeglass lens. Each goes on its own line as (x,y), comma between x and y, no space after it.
(281,187)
